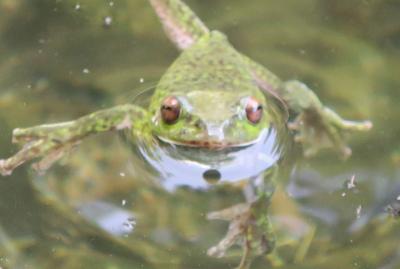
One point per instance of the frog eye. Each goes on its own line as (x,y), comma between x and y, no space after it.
(170,110)
(253,110)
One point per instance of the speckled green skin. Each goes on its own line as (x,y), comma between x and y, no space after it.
(213,83)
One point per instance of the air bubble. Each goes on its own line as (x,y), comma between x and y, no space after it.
(107,21)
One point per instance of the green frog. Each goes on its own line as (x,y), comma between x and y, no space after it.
(212,105)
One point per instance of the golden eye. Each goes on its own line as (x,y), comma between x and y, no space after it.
(254,110)
(170,110)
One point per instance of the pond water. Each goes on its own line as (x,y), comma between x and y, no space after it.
(61,59)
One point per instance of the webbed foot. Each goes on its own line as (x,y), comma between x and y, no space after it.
(37,142)
(325,128)
(318,126)
(251,232)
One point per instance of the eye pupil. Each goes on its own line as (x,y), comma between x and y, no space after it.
(253,110)
(170,110)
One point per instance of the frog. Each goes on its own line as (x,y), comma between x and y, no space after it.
(213,101)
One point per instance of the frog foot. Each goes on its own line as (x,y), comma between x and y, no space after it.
(245,229)
(323,128)
(49,148)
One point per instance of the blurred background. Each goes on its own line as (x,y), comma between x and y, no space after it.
(61,59)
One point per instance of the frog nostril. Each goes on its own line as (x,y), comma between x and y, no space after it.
(212,176)
(198,124)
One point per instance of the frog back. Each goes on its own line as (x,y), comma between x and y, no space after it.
(210,64)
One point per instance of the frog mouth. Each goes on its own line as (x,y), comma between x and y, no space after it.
(207,144)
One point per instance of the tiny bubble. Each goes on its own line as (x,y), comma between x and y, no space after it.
(122,174)
(343,194)
(40,51)
(398,198)
(77,7)
(107,21)
(86,71)
(111,3)
(123,202)
(141,80)
(29,86)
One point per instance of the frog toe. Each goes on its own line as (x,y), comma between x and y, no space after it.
(237,215)
(247,230)
(229,214)
(52,157)
(4,170)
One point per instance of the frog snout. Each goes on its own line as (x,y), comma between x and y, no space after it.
(215,132)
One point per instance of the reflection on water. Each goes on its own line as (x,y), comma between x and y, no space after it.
(187,166)
(109,217)
(62,59)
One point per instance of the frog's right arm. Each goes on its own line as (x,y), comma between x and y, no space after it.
(317,126)
(51,141)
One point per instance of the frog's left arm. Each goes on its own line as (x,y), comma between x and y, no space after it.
(51,141)
(317,125)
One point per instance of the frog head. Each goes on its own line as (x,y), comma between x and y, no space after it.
(212,119)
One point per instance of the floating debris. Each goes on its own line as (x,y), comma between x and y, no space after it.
(351,184)
(358,211)
(129,225)
(111,218)
(393,209)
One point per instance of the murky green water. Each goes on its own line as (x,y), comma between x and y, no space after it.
(63,59)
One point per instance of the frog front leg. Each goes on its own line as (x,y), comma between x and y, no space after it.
(249,223)
(317,125)
(51,141)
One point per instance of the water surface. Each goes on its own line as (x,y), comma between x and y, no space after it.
(63,59)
